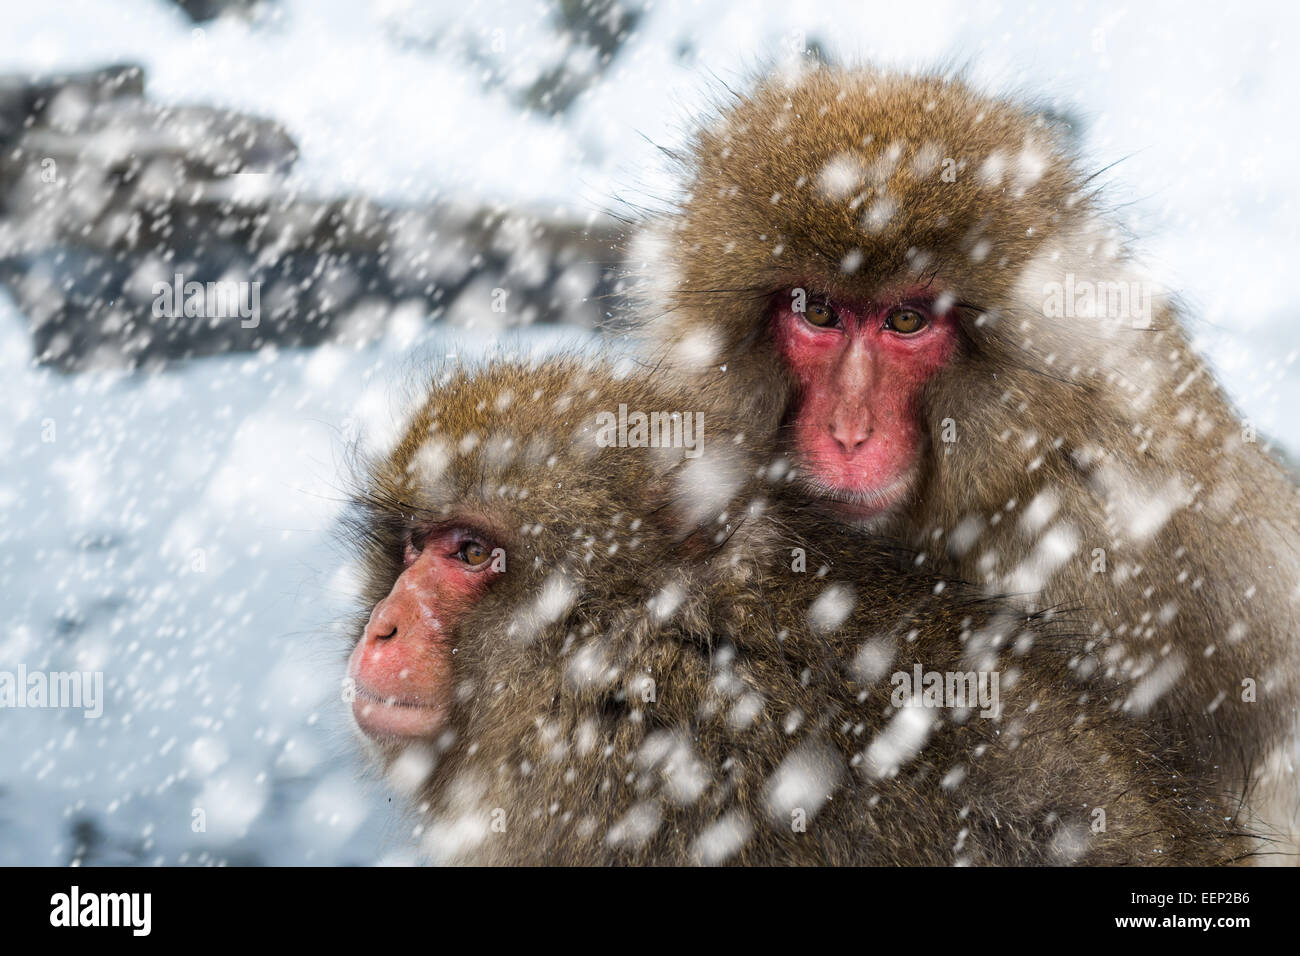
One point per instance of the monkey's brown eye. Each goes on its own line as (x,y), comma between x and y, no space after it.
(473,553)
(906,321)
(821,315)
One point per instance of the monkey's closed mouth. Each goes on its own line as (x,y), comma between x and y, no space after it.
(394,717)
(868,504)
(370,697)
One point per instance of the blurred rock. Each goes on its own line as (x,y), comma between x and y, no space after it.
(107,200)
(595,31)
(24,101)
(189,142)
(201,11)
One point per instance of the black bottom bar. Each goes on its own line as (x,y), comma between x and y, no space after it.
(384,907)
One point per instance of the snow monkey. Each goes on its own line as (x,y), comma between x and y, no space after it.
(920,287)
(593,634)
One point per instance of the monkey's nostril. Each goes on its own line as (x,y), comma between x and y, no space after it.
(384,637)
(849,440)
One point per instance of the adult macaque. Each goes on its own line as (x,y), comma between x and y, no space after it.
(583,650)
(920,284)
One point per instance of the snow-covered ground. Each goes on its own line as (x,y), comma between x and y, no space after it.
(175,532)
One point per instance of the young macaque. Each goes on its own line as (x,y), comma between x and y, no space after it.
(597,635)
(921,285)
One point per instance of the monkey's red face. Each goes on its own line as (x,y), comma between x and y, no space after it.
(402,666)
(860,368)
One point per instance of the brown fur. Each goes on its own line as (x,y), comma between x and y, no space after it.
(556,736)
(1080,432)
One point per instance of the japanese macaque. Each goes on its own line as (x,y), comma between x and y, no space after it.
(919,286)
(593,635)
